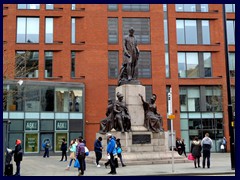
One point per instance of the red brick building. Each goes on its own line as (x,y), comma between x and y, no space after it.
(81,46)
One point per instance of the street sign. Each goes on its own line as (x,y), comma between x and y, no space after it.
(171,116)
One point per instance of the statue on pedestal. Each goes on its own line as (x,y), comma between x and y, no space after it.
(129,70)
(117,117)
(153,120)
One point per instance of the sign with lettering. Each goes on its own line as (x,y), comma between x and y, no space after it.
(141,139)
(61,125)
(31,142)
(31,125)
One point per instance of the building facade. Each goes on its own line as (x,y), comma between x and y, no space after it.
(61,64)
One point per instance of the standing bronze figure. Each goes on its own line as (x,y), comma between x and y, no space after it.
(129,70)
(153,120)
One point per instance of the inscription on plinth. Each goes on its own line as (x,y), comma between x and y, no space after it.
(141,139)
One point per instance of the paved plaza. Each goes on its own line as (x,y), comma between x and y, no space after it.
(39,166)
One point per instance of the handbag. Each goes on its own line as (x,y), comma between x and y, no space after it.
(119,150)
(86,151)
(222,146)
(72,155)
(191,157)
(76,164)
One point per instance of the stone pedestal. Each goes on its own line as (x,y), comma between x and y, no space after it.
(134,104)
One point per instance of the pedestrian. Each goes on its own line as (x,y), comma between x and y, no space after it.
(206,146)
(179,146)
(110,151)
(224,143)
(18,155)
(196,151)
(98,150)
(183,148)
(80,155)
(64,149)
(46,146)
(119,151)
(84,142)
(72,149)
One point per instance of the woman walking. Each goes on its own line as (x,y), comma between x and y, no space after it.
(196,151)
(119,151)
(72,149)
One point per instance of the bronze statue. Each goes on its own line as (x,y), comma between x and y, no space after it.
(106,124)
(129,69)
(122,119)
(153,120)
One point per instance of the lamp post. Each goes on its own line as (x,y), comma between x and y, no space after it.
(230,112)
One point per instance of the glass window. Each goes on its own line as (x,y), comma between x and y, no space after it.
(27,30)
(187,32)
(135,7)
(144,65)
(165,31)
(28,6)
(112,30)
(182,65)
(204,7)
(233,99)
(50,6)
(230,7)
(180,32)
(207,64)
(47,99)
(112,7)
(48,64)
(112,64)
(192,65)
(73,33)
(62,100)
(148,92)
(27,64)
(213,98)
(231,64)
(193,101)
(49,30)
(111,92)
(179,7)
(167,68)
(205,32)
(141,27)
(73,61)
(75,100)
(191,31)
(32,98)
(183,99)
(231,32)
(191,7)
(73,6)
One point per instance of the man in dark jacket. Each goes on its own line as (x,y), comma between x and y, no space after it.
(98,150)
(64,149)
(206,146)
(80,155)
(17,156)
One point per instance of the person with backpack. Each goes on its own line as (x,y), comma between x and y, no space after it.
(110,151)
(80,155)
(46,146)
(119,151)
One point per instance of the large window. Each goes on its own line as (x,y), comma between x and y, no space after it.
(193,64)
(193,32)
(28,6)
(144,65)
(112,64)
(230,7)
(48,64)
(135,7)
(49,6)
(112,7)
(231,31)
(27,30)
(49,30)
(112,30)
(200,98)
(27,64)
(231,64)
(191,7)
(141,27)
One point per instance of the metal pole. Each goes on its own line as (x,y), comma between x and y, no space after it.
(172,145)
(170,113)
(230,112)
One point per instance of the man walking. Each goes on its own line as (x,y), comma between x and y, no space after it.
(110,150)
(206,146)
(98,150)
